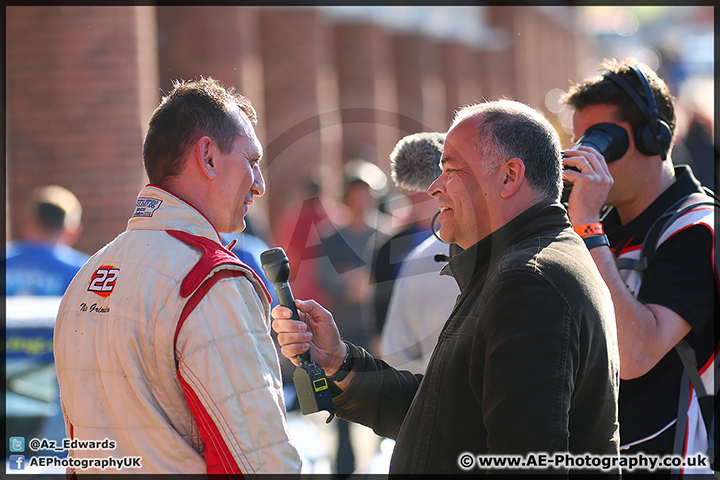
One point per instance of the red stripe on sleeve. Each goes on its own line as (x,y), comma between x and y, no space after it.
(218,458)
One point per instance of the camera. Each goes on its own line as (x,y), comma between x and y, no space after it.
(610,140)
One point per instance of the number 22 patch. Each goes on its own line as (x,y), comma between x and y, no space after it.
(103,280)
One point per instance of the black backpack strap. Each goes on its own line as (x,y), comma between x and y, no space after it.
(638,264)
(681,424)
(666,220)
(687,356)
(663,222)
(706,400)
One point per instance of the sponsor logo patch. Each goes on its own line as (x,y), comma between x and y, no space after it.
(103,280)
(146,206)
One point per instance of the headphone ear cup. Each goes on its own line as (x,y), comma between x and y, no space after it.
(646,141)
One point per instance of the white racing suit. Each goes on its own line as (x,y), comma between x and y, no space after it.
(162,346)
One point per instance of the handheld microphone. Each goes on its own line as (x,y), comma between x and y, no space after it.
(311,385)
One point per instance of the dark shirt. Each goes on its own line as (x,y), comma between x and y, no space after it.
(342,252)
(680,277)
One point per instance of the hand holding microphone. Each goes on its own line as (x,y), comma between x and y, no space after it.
(311,384)
(315,333)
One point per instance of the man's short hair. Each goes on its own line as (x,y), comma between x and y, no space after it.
(599,90)
(55,208)
(190,111)
(510,129)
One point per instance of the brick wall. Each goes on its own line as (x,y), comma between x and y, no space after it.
(360,56)
(83,81)
(218,42)
(302,120)
(412,55)
(462,87)
(74,113)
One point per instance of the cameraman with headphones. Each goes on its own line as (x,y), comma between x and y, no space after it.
(654,249)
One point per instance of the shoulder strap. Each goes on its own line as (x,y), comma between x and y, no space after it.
(687,356)
(662,224)
(666,220)
(705,400)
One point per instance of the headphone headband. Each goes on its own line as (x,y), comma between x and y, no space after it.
(649,109)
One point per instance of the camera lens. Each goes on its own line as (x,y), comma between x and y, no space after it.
(607,138)
(610,140)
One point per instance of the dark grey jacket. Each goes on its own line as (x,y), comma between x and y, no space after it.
(527,361)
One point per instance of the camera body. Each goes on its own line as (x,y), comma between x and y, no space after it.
(610,140)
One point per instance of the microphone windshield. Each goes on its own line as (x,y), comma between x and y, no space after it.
(415,161)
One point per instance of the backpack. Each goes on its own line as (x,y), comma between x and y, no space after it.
(696,416)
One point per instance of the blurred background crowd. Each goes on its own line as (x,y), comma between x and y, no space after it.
(335,88)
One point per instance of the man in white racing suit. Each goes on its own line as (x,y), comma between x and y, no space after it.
(162,342)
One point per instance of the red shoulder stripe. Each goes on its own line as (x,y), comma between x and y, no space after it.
(213,256)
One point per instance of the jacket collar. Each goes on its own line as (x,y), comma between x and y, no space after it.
(160,209)
(478,259)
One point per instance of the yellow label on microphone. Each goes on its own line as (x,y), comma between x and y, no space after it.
(320,384)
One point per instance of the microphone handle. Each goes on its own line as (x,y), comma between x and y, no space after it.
(286,299)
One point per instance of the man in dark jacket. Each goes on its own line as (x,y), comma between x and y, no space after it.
(528,360)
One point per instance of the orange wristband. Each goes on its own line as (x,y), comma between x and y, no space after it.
(589,229)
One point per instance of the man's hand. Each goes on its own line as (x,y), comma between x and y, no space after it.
(316,330)
(591,184)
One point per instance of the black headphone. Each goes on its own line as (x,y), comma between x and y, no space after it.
(653,135)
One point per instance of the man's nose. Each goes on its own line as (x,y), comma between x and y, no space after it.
(258,186)
(437,187)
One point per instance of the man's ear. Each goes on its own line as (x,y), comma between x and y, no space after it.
(203,156)
(512,177)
